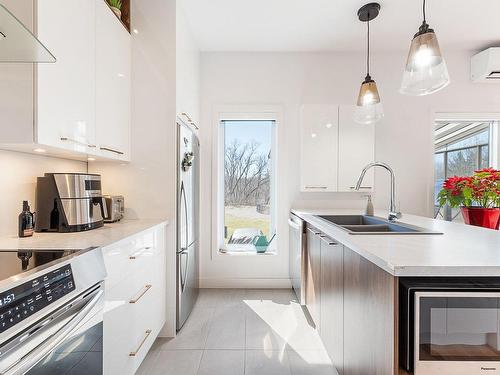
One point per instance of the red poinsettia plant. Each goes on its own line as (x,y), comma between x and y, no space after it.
(482,189)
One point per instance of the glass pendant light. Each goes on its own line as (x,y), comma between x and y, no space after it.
(369,109)
(426,70)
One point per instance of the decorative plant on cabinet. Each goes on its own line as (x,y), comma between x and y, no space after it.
(478,197)
(116,6)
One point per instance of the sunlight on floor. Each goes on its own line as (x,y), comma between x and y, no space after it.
(242,332)
(288,322)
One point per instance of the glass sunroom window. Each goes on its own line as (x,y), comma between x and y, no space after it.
(249,176)
(461,147)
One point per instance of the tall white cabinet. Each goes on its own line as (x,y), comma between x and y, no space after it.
(334,149)
(78,106)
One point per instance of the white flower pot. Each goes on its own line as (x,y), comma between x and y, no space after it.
(117,11)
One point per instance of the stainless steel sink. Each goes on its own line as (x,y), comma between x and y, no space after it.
(362,224)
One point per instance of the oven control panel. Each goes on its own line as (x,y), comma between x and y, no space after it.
(24,300)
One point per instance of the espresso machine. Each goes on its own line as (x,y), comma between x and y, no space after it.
(69,202)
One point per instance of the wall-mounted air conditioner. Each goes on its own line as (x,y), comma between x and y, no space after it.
(485,66)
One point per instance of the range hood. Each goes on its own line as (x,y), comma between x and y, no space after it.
(18,44)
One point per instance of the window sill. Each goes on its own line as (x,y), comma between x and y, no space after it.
(245,252)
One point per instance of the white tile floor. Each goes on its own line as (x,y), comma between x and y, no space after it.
(242,332)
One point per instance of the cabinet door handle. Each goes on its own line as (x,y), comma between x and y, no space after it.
(328,240)
(316,187)
(146,335)
(360,188)
(111,150)
(313,231)
(86,144)
(139,252)
(144,291)
(190,120)
(187,116)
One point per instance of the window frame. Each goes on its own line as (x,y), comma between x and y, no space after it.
(494,141)
(241,113)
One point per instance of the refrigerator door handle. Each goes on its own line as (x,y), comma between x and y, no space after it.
(186,269)
(183,202)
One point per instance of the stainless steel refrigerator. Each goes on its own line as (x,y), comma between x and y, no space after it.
(188,182)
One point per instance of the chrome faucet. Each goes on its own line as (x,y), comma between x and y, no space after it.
(393,213)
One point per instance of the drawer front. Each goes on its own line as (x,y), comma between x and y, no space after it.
(149,317)
(127,256)
(116,262)
(117,338)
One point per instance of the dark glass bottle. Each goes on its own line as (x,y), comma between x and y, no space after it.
(26,222)
(54,217)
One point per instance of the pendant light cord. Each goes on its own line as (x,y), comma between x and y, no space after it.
(368,50)
(423,11)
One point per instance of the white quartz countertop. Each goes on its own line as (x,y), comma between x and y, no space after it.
(462,250)
(106,235)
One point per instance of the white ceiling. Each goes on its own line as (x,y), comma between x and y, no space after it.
(332,25)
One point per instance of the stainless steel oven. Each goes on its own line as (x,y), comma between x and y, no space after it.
(51,314)
(451,328)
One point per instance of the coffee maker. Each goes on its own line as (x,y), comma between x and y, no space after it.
(69,202)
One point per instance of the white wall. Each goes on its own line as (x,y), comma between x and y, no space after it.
(404,139)
(148,183)
(18,173)
(187,68)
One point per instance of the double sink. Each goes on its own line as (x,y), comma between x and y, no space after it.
(364,224)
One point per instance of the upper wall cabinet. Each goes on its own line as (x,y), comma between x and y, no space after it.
(69,108)
(334,149)
(65,90)
(319,148)
(356,150)
(113,71)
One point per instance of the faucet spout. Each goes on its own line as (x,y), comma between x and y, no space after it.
(393,213)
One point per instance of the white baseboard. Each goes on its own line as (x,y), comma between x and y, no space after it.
(246,283)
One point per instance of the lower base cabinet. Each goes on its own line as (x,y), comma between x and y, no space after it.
(313,283)
(135,300)
(353,304)
(369,318)
(332,300)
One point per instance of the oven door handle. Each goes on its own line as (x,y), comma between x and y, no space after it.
(41,351)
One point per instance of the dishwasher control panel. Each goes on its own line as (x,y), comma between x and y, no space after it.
(24,300)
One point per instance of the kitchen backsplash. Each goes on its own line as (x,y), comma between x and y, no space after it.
(18,181)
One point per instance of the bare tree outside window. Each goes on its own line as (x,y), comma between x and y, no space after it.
(247,180)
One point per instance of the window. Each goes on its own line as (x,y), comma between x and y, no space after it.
(248,184)
(461,147)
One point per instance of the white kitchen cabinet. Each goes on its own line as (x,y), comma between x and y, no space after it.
(319,153)
(113,84)
(69,108)
(356,150)
(66,88)
(334,149)
(135,299)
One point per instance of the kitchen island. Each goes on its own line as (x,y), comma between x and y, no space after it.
(353,282)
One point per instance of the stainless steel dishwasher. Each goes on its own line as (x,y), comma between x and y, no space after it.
(298,258)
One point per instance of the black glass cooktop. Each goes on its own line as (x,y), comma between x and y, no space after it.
(15,262)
